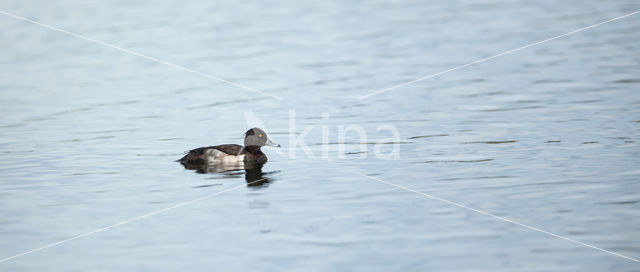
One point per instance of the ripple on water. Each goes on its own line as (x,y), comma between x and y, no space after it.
(237,101)
(492,142)
(514,109)
(354,153)
(627,81)
(455,161)
(360,143)
(428,136)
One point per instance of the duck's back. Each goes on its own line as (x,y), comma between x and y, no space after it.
(228,153)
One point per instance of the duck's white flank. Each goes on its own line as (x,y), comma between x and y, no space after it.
(217,156)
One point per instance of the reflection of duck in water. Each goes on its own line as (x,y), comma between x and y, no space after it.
(255,176)
(231,157)
(252,172)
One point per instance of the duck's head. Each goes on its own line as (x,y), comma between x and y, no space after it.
(257,137)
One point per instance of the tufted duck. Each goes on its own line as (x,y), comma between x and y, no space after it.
(232,153)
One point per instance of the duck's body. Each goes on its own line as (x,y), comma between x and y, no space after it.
(224,154)
(232,154)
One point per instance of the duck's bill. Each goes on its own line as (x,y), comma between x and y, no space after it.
(270,143)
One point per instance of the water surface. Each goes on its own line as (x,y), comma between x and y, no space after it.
(548,136)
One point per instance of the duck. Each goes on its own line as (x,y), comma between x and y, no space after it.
(232,154)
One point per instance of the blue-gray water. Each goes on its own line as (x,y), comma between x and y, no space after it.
(547,136)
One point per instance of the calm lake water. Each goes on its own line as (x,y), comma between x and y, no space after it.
(548,136)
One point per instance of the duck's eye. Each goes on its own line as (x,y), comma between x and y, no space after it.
(260,135)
